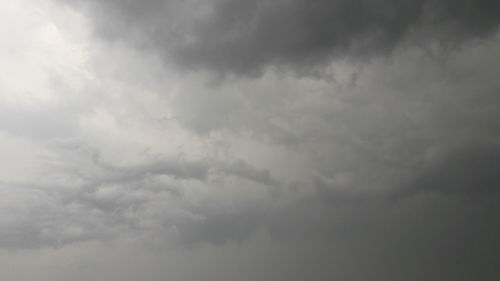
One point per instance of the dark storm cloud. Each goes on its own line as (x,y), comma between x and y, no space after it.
(471,170)
(244,36)
(420,236)
(388,173)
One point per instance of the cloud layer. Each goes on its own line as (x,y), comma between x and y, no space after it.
(118,164)
(245,37)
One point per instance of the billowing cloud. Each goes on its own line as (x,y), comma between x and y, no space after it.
(245,37)
(119,165)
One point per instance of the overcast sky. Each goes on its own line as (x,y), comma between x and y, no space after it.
(250,140)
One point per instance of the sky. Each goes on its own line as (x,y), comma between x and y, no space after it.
(245,140)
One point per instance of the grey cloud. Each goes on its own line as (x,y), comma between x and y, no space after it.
(368,236)
(387,172)
(102,172)
(471,170)
(101,200)
(420,236)
(41,219)
(406,170)
(244,37)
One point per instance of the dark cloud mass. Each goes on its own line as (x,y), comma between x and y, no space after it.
(283,140)
(243,37)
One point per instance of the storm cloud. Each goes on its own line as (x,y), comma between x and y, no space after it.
(249,140)
(245,37)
